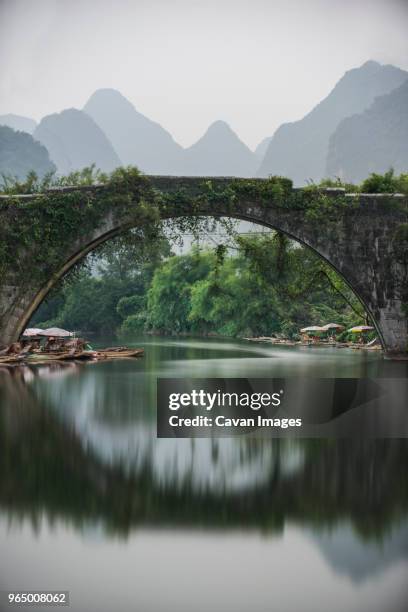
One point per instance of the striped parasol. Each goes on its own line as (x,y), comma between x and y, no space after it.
(360,329)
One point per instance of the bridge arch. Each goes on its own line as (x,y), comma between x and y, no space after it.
(80,255)
(357,244)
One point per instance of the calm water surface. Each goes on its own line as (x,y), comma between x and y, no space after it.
(93,503)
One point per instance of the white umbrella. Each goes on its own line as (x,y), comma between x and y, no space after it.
(56,332)
(333,326)
(312,328)
(32,331)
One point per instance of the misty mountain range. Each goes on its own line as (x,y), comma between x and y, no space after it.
(360,127)
(18,123)
(137,140)
(74,141)
(20,153)
(365,142)
(299,149)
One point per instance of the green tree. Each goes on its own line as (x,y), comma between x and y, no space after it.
(380,183)
(88,298)
(169,296)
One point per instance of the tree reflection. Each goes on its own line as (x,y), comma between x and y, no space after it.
(48,468)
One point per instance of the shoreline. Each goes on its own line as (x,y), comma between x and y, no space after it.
(287,342)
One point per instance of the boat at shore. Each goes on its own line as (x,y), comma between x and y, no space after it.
(39,356)
(121,353)
(371,346)
(17,359)
(37,346)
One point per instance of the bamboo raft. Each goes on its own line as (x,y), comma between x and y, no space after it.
(37,357)
(117,353)
(11,359)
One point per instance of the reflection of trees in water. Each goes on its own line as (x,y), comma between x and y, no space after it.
(46,466)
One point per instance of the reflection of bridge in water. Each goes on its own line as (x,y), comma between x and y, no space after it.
(358,235)
(88,467)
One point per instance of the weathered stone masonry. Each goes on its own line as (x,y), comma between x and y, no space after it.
(359,244)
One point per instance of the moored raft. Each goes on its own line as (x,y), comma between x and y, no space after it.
(97,355)
(11,359)
(59,346)
(62,356)
(119,353)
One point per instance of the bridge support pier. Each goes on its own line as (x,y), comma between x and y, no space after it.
(392,324)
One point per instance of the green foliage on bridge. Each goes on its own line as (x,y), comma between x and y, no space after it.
(41,219)
(36,231)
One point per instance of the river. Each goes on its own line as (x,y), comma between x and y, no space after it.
(91,502)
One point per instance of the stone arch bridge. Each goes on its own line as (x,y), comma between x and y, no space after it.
(360,239)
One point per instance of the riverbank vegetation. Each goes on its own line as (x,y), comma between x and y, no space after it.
(258,285)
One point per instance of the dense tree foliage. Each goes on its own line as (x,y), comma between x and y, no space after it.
(385,183)
(93,298)
(262,285)
(269,285)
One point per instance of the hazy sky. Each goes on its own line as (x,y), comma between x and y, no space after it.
(186,63)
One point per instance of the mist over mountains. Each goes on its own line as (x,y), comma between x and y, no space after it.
(299,150)
(18,123)
(372,141)
(137,140)
(147,145)
(20,154)
(360,127)
(262,147)
(218,153)
(74,141)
